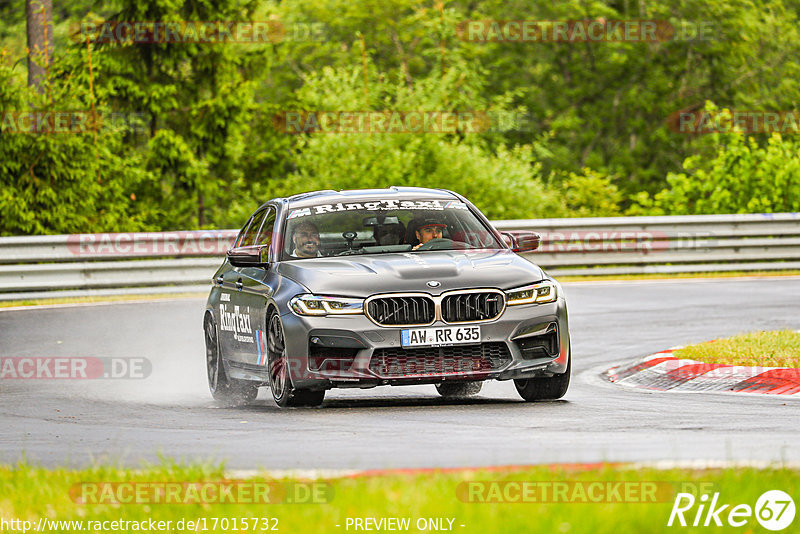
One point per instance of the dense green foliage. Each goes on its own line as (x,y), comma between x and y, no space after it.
(743,177)
(189,138)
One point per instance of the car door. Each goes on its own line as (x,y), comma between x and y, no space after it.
(227,318)
(249,295)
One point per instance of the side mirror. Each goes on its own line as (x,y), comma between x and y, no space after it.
(522,240)
(252,256)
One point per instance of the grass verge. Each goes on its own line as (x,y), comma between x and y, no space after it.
(779,348)
(587,502)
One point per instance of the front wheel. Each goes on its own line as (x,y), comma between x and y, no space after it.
(280,382)
(545,388)
(226,391)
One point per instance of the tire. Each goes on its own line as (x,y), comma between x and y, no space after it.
(545,388)
(226,391)
(459,390)
(280,381)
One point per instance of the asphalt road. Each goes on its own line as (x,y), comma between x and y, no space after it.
(170,413)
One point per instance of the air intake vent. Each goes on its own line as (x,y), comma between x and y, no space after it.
(402,310)
(471,307)
(470,360)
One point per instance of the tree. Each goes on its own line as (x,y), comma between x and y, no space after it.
(39,18)
(744,176)
(504,182)
(67,181)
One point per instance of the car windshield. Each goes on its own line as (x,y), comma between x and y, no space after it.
(383,226)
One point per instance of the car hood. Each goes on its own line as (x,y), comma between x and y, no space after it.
(362,276)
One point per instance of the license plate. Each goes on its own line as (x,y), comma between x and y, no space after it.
(437,337)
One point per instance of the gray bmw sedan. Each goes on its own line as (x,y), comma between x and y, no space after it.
(396,286)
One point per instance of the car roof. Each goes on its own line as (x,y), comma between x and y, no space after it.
(349,195)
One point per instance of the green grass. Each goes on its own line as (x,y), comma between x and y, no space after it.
(28,493)
(765,349)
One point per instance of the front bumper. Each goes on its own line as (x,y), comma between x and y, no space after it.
(352,351)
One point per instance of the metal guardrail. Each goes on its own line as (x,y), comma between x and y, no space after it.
(121,246)
(36,266)
(665,244)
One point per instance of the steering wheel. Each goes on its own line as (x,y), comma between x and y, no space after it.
(439,243)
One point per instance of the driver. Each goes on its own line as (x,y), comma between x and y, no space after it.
(429,228)
(306,241)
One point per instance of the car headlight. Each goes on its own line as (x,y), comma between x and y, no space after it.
(322,305)
(532,294)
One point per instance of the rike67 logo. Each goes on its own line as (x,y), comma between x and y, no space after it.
(774,510)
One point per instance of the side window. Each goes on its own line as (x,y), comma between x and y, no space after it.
(250,234)
(242,232)
(265,235)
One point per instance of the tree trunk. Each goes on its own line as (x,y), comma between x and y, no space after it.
(39,16)
(201,210)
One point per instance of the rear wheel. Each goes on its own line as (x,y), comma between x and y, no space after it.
(226,391)
(280,382)
(457,390)
(545,388)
